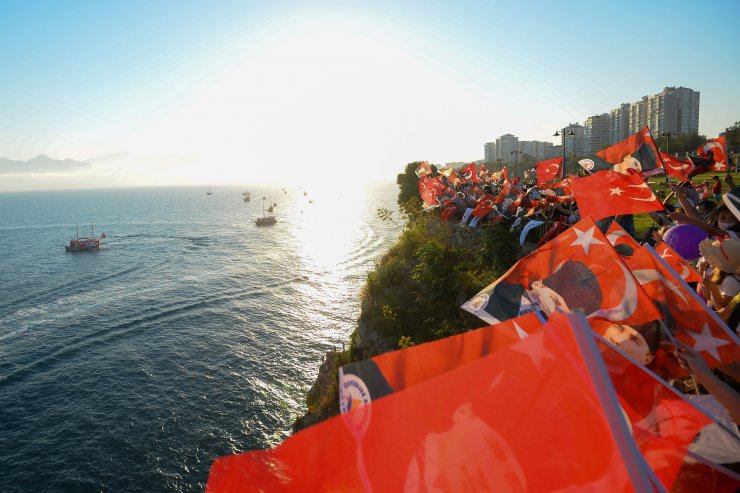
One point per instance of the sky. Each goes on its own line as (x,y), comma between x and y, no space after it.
(290,92)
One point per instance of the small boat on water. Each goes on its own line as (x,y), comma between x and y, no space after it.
(247,196)
(209,192)
(265,220)
(84,244)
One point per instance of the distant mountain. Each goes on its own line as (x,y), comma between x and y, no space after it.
(40,164)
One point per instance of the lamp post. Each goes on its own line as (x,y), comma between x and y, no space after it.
(516,153)
(667,136)
(500,164)
(570,133)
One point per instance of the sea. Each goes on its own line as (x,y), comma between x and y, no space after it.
(191,334)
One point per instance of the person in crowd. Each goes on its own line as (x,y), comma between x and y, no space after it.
(716,188)
(723,257)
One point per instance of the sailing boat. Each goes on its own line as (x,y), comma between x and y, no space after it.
(85,244)
(265,220)
(209,192)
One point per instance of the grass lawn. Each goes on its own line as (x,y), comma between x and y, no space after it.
(660,187)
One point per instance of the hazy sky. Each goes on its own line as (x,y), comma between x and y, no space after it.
(155,92)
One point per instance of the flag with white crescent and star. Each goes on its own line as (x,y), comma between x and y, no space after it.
(550,169)
(608,193)
(689,320)
(577,270)
(485,205)
(468,174)
(677,168)
(683,268)
(718,155)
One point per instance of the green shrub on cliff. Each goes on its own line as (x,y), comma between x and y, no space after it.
(415,292)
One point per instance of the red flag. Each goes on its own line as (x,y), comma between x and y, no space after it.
(449,211)
(505,174)
(550,169)
(560,428)
(677,263)
(578,270)
(608,193)
(395,370)
(677,168)
(468,174)
(718,148)
(621,240)
(424,169)
(637,152)
(664,422)
(484,206)
(691,321)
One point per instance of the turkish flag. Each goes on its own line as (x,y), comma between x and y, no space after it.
(484,206)
(637,152)
(505,174)
(677,263)
(536,416)
(677,168)
(718,148)
(468,174)
(664,422)
(550,169)
(608,193)
(577,270)
(621,240)
(686,316)
(395,370)
(423,169)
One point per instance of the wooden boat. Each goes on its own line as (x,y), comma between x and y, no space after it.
(84,244)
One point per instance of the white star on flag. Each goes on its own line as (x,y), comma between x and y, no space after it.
(586,239)
(536,353)
(616,191)
(520,332)
(704,341)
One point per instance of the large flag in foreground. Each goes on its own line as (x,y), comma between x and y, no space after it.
(550,169)
(560,429)
(637,152)
(578,269)
(677,263)
(395,370)
(608,193)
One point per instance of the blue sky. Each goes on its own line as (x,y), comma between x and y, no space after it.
(213,92)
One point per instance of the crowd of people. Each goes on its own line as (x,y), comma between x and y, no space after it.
(515,203)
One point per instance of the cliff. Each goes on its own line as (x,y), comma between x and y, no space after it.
(414,293)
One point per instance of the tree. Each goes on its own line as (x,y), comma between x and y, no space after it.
(408,182)
(732,137)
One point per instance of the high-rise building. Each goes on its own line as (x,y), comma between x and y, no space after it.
(687,118)
(638,116)
(490,152)
(576,143)
(505,147)
(620,123)
(535,148)
(597,132)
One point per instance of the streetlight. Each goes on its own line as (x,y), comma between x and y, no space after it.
(516,153)
(500,164)
(667,136)
(570,133)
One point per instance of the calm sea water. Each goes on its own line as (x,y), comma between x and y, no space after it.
(191,334)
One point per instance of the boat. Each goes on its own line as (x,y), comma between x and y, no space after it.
(265,220)
(247,196)
(84,244)
(209,192)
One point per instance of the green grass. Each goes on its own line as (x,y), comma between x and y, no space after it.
(658,184)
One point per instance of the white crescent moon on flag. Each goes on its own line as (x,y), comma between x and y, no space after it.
(712,145)
(627,306)
(644,185)
(645,276)
(685,272)
(614,237)
(557,166)
(488,203)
